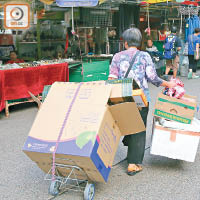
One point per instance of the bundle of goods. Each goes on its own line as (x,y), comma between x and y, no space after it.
(176,132)
(178,91)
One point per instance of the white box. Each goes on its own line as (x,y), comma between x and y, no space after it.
(175,144)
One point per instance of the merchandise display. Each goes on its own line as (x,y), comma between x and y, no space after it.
(34,64)
(10,66)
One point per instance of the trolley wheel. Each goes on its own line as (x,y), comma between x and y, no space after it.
(89,192)
(54,188)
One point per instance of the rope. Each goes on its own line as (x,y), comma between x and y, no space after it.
(73,31)
(148,16)
(62,129)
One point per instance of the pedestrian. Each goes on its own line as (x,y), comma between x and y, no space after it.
(142,70)
(153,51)
(171,47)
(150,46)
(193,53)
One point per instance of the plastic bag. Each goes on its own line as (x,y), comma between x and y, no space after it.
(178,91)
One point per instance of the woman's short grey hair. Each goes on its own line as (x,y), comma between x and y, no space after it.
(132,36)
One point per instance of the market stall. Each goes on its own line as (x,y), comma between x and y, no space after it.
(16,83)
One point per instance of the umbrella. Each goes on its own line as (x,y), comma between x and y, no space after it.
(48,2)
(76,3)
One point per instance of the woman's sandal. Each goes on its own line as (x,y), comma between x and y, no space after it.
(133,171)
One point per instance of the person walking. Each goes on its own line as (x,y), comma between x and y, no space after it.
(138,65)
(172,46)
(193,53)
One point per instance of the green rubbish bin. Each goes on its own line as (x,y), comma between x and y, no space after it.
(94,71)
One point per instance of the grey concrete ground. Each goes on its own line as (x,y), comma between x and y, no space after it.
(161,179)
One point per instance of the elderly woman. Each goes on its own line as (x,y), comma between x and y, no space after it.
(142,71)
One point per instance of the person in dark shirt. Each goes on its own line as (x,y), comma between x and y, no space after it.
(193,46)
(14,59)
(173,63)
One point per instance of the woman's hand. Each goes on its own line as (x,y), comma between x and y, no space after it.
(168,84)
(171,84)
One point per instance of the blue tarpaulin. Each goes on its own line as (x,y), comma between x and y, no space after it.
(76,3)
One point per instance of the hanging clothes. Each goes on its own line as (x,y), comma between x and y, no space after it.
(191,27)
(196,22)
(191,24)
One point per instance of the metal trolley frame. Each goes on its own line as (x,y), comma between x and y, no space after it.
(61,184)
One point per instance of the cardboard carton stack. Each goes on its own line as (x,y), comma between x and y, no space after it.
(176,132)
(90,129)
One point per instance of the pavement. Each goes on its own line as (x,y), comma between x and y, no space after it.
(161,179)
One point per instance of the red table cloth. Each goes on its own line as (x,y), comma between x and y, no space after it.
(15,83)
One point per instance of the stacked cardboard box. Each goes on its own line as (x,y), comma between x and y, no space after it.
(89,129)
(181,140)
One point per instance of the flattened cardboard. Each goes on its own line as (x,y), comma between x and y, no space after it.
(175,109)
(127,116)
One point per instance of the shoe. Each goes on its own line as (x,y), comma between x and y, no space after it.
(165,77)
(132,171)
(195,77)
(190,75)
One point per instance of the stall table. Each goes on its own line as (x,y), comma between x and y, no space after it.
(16,83)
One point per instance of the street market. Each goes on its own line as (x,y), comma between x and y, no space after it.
(76,98)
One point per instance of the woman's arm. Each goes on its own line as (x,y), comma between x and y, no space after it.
(152,76)
(114,69)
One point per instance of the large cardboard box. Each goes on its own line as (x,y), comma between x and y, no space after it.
(88,128)
(173,143)
(175,109)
